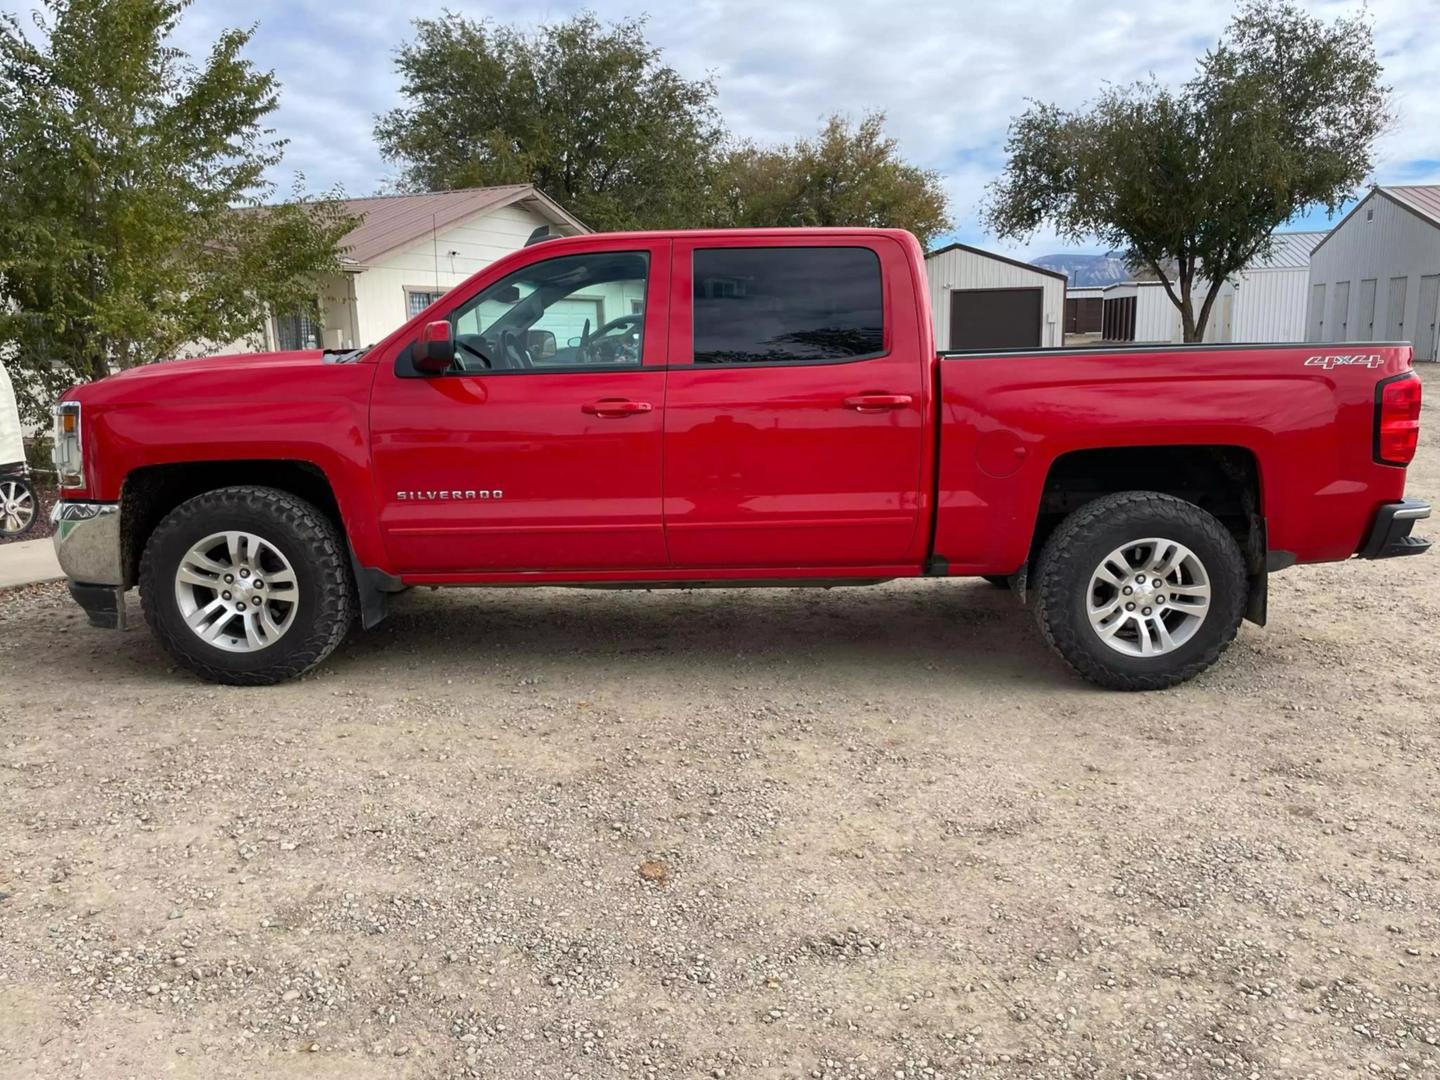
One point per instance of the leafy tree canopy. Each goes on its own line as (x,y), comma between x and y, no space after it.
(591,115)
(125,171)
(1281,117)
(586,112)
(847,175)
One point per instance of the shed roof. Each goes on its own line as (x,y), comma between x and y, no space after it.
(1422,200)
(1289,251)
(998,258)
(394,221)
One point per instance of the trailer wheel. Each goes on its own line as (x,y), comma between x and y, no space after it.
(246,585)
(1140,591)
(19,506)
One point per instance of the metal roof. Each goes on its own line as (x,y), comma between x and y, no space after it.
(1289,251)
(1424,199)
(393,221)
(998,258)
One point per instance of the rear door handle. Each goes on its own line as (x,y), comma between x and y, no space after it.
(877,402)
(611,408)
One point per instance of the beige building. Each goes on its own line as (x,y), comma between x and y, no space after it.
(406,252)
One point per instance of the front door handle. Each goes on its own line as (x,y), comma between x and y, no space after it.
(611,408)
(877,402)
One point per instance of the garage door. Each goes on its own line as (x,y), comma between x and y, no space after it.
(995,318)
(566,318)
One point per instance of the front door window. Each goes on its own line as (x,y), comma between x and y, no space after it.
(571,312)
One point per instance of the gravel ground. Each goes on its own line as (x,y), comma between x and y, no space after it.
(869,832)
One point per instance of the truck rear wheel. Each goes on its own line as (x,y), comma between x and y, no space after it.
(1140,591)
(246,585)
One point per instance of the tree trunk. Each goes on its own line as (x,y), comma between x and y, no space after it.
(1189,333)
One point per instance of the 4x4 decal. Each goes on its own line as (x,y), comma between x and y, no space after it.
(1329,363)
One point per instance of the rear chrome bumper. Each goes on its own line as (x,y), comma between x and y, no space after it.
(87,542)
(1390,535)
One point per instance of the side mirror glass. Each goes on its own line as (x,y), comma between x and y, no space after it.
(541,344)
(572,343)
(435,351)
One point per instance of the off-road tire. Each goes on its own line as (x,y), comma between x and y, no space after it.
(1076,548)
(306,537)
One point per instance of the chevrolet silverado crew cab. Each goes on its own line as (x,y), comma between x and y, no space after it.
(726,408)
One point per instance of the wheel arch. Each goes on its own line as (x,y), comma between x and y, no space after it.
(1224,480)
(152,491)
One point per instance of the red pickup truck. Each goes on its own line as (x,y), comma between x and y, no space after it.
(726,408)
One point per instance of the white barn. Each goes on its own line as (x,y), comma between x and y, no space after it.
(1376,275)
(981,300)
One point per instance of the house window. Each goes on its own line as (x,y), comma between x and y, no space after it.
(417,300)
(296,330)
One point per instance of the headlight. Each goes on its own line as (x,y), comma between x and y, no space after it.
(69,461)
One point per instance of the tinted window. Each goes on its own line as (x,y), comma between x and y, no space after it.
(768,305)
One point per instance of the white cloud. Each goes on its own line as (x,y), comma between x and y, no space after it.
(948,75)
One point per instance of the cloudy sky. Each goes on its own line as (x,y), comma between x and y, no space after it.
(948,74)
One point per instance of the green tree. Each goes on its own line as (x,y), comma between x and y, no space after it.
(846,175)
(586,112)
(126,172)
(1280,117)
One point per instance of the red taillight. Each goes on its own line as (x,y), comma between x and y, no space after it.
(1397,419)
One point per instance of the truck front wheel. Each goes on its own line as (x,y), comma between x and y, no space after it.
(1140,591)
(246,585)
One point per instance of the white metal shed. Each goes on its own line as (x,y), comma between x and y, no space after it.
(1266,301)
(1376,275)
(1140,311)
(981,300)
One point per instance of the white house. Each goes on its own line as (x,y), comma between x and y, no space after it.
(1376,275)
(981,300)
(406,252)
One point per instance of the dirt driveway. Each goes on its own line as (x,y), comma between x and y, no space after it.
(729,834)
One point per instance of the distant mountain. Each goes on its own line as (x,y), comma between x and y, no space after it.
(1083,270)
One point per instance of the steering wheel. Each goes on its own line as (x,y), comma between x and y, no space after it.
(514,350)
(461,343)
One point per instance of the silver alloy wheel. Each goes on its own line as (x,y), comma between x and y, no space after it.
(237,592)
(1148,597)
(17,507)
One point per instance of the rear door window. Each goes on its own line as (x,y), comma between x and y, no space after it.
(787,305)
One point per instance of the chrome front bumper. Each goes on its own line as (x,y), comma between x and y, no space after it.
(87,542)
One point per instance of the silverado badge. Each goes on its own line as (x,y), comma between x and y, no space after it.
(437,496)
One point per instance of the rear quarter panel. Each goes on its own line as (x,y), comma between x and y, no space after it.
(1005,420)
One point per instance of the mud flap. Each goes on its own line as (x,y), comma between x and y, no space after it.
(372,587)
